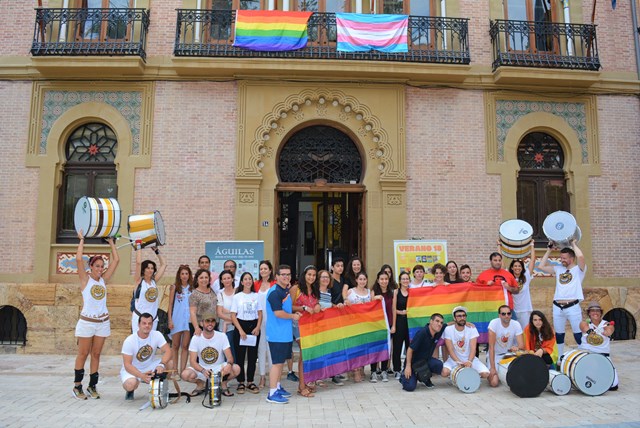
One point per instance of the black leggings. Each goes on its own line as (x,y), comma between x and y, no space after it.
(243,351)
(399,337)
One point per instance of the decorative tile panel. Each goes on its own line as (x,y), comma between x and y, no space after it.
(509,111)
(66,262)
(56,102)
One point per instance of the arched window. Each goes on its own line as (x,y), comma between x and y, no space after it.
(89,170)
(320,152)
(542,187)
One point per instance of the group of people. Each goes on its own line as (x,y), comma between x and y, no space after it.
(235,325)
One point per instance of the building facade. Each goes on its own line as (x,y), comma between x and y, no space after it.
(500,110)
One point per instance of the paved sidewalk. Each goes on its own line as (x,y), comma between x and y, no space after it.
(35,390)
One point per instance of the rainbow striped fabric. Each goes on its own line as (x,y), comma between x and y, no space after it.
(362,32)
(338,340)
(271,30)
(481,301)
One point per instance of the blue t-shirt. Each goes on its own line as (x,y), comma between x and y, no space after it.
(423,343)
(279,329)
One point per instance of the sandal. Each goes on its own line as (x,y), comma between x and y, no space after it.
(311,387)
(240,389)
(227,393)
(253,388)
(306,392)
(200,388)
(321,384)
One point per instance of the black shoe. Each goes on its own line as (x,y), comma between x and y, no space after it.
(128,396)
(613,388)
(429,384)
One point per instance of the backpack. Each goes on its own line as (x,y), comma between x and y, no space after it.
(136,295)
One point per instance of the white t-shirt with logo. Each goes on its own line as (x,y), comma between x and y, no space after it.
(506,337)
(246,306)
(569,283)
(461,340)
(148,301)
(143,351)
(596,342)
(210,352)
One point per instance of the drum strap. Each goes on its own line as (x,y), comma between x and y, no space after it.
(139,314)
(176,395)
(566,306)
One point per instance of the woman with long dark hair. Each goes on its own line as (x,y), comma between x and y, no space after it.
(147,275)
(354,267)
(400,326)
(202,299)
(246,314)
(382,288)
(262,286)
(178,316)
(453,274)
(540,338)
(522,294)
(225,300)
(94,326)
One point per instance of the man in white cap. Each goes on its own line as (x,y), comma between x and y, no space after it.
(460,339)
(505,335)
(596,335)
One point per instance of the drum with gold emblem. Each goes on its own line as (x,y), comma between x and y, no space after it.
(466,379)
(146,229)
(159,391)
(97,217)
(590,373)
(525,374)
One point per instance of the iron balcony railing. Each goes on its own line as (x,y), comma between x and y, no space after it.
(544,44)
(112,31)
(210,33)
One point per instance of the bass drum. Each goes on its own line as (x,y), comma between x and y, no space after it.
(561,228)
(590,373)
(526,375)
(97,217)
(466,379)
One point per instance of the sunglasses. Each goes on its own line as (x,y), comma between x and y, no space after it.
(505,313)
(209,320)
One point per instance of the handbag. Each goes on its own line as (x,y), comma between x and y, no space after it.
(421,369)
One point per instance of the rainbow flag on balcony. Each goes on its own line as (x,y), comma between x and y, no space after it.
(338,340)
(271,30)
(481,301)
(360,32)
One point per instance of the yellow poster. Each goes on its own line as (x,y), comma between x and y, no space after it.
(407,254)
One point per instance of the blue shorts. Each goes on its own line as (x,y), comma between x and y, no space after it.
(280,351)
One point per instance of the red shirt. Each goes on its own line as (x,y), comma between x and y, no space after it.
(496,275)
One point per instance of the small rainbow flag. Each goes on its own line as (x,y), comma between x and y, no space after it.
(271,30)
(342,339)
(481,301)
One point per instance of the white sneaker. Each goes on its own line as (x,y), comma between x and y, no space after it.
(397,375)
(373,378)
(385,377)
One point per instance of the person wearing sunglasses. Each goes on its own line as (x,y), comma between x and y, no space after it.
(505,335)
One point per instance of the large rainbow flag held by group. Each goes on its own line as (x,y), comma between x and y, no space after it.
(338,340)
(481,301)
(271,30)
(363,32)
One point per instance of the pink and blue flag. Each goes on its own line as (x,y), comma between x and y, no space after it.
(363,32)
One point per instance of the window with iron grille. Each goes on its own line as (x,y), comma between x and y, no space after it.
(89,170)
(13,326)
(320,152)
(542,187)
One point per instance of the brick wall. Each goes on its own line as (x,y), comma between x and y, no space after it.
(162,29)
(19,189)
(449,194)
(193,149)
(615,196)
(479,39)
(17,20)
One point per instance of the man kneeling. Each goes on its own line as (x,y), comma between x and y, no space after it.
(138,355)
(207,355)
(460,339)
(420,363)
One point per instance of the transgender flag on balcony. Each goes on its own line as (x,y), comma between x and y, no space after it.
(360,33)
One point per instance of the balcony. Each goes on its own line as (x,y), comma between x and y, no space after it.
(544,45)
(90,32)
(210,33)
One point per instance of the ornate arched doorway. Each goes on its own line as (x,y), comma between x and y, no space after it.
(320,198)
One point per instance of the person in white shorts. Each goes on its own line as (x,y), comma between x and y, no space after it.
(460,340)
(210,353)
(505,335)
(94,326)
(568,294)
(139,360)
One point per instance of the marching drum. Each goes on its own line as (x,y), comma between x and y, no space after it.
(159,391)
(591,373)
(147,228)
(515,238)
(215,389)
(97,217)
(561,228)
(526,375)
(466,379)
(559,383)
